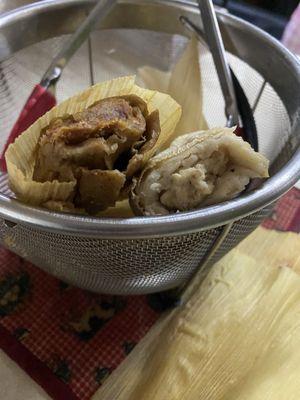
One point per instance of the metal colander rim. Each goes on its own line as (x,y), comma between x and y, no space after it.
(176,224)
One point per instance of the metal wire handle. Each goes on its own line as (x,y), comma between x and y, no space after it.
(249,131)
(214,40)
(100,11)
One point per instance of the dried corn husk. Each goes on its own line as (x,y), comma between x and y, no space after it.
(198,169)
(236,327)
(20,156)
(287,246)
(237,338)
(184,84)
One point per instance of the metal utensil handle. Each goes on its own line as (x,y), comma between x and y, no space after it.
(99,12)
(214,40)
(249,131)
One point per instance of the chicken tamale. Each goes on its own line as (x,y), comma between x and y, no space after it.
(198,169)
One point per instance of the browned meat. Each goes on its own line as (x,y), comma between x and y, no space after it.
(124,116)
(57,160)
(109,136)
(98,189)
(148,141)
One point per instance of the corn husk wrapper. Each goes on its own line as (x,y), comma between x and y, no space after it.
(237,338)
(20,156)
(184,84)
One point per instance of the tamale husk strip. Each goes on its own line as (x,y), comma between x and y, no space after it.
(20,156)
(185,86)
(38,192)
(237,338)
(223,335)
(287,248)
(154,79)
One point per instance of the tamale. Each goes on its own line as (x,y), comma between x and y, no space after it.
(197,170)
(91,142)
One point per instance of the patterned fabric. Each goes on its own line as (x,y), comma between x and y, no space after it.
(291,37)
(70,340)
(286,214)
(80,336)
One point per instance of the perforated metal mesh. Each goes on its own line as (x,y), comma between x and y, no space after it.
(121,266)
(131,266)
(115,265)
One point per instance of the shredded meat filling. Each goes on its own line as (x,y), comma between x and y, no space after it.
(198,169)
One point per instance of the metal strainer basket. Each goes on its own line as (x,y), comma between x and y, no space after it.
(141,255)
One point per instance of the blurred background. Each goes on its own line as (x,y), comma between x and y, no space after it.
(270,15)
